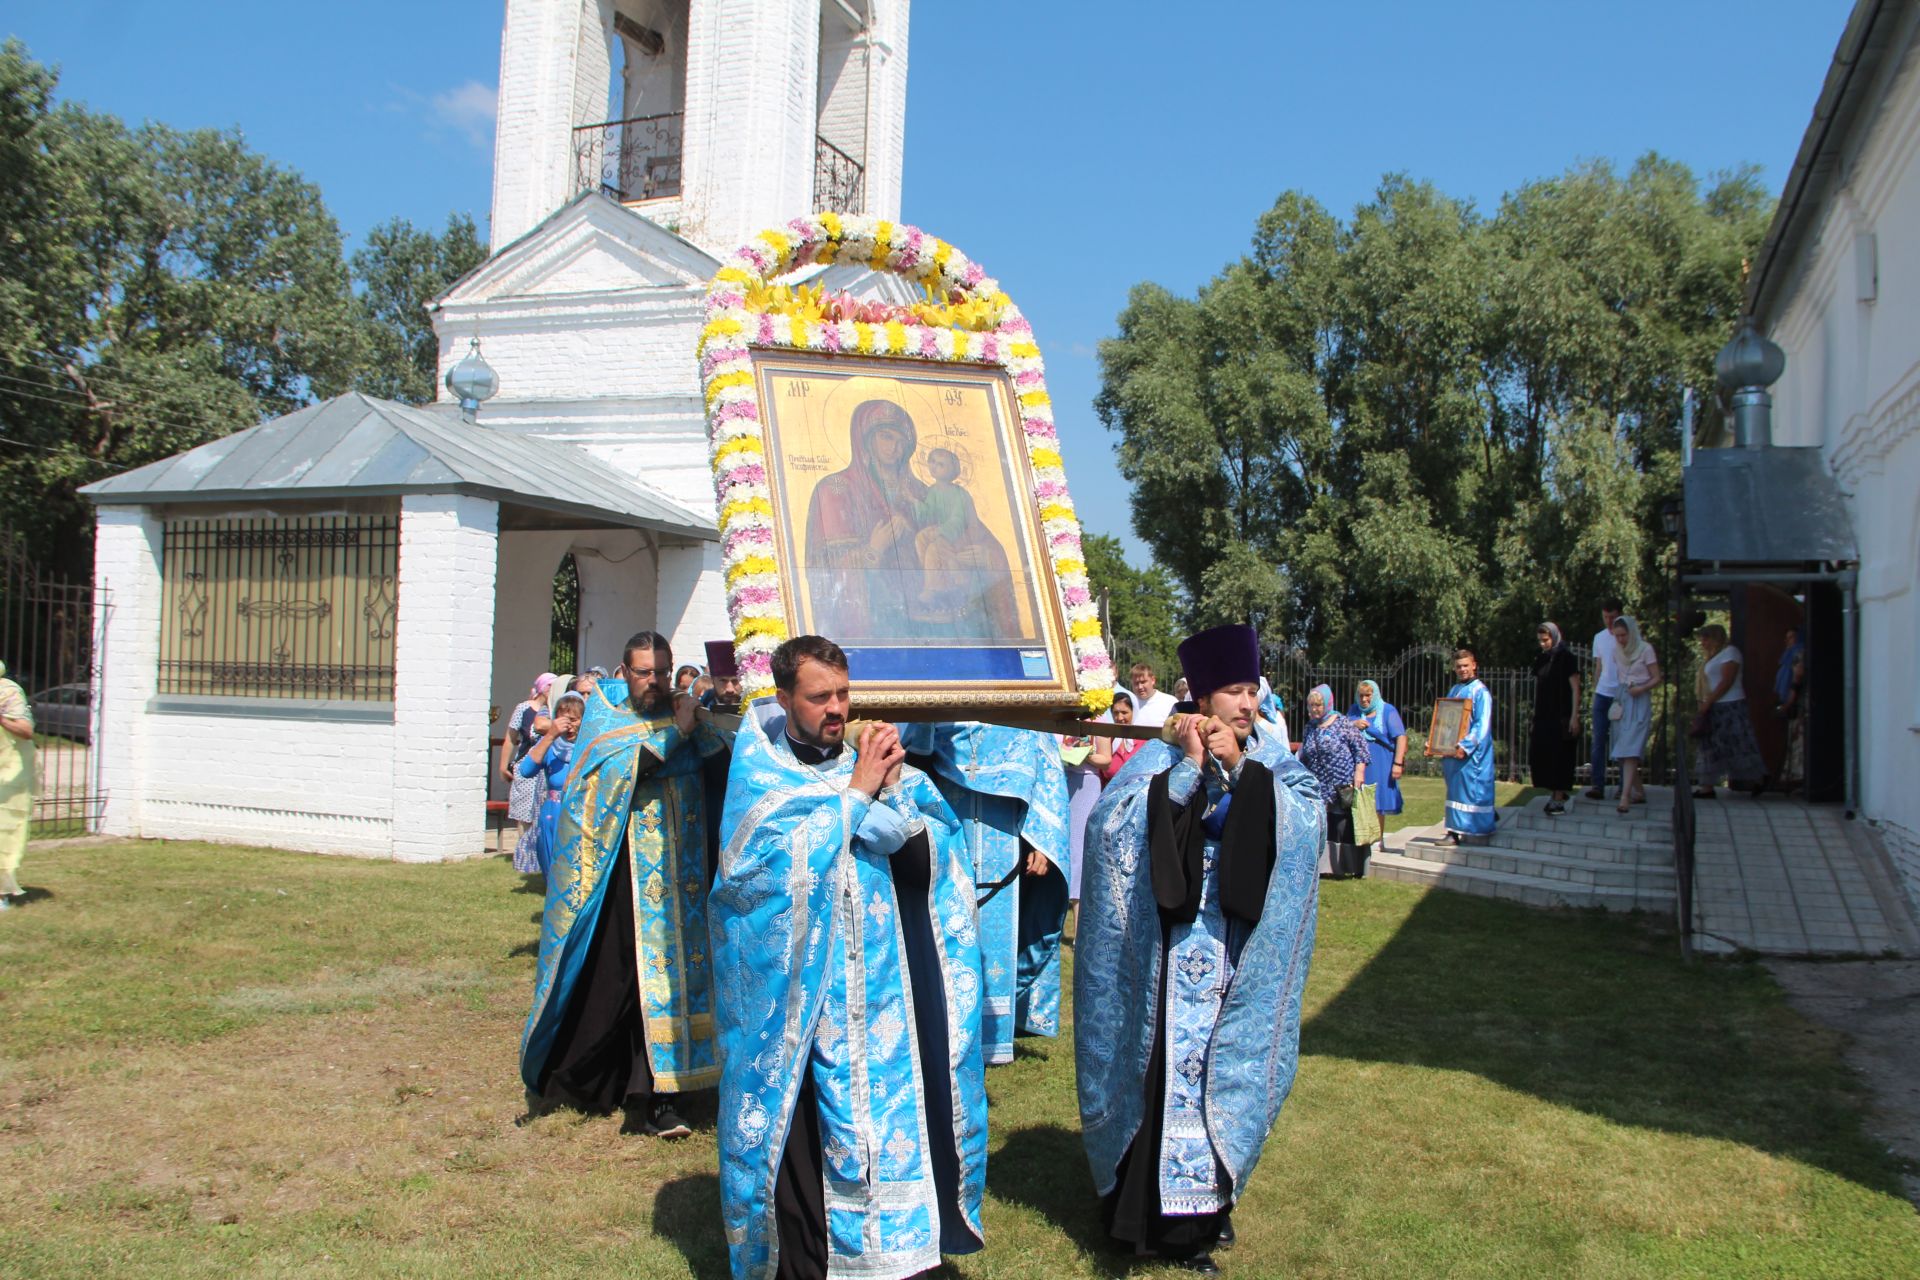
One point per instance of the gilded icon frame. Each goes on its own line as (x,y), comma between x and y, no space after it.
(920,652)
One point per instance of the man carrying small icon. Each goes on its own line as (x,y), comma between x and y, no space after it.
(622,1009)
(1199,887)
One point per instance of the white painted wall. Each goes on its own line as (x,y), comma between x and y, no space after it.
(1850,327)
(442,669)
(126,647)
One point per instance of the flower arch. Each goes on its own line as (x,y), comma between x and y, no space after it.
(966,318)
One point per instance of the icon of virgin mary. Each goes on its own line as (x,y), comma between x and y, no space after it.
(865,543)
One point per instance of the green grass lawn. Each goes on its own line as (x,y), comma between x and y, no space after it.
(220,1061)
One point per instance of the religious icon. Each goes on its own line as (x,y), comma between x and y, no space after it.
(906,524)
(1452,717)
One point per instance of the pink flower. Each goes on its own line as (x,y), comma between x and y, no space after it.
(1050,489)
(1076,595)
(973,275)
(929,343)
(1092,662)
(1031,377)
(758,595)
(744,409)
(759,664)
(766,329)
(752,473)
(830,335)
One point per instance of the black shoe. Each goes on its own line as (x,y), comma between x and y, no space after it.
(665,1122)
(1225,1242)
(1594,793)
(1201,1264)
(1555,808)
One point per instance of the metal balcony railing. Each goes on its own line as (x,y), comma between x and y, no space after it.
(633,159)
(839,181)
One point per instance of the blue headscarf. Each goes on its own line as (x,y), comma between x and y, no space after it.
(1377,718)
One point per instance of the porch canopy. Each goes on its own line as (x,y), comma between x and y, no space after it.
(357,446)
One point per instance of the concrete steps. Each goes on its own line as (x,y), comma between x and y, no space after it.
(1591,857)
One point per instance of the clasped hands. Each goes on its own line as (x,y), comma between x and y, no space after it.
(1201,736)
(877,760)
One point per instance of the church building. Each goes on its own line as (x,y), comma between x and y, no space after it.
(312,629)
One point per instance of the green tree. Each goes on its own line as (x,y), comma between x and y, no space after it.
(401,269)
(1424,423)
(1142,605)
(159,289)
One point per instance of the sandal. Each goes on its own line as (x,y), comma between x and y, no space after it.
(1621,809)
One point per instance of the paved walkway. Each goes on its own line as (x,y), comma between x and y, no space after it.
(1783,877)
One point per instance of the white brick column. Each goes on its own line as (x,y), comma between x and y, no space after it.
(443,675)
(126,656)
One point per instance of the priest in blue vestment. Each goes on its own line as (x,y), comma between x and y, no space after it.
(1469,770)
(1009,791)
(853,1104)
(1198,894)
(623,1004)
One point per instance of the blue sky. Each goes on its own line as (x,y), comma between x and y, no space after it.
(1075,149)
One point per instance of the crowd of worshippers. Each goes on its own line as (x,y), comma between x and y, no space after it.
(832,928)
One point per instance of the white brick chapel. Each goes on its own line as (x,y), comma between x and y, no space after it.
(306,624)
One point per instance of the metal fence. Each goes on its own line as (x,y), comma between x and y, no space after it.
(46,640)
(839,181)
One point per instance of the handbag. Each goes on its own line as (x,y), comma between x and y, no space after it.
(1366,815)
(1618,711)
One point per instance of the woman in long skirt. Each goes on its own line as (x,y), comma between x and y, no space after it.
(1379,722)
(1556,717)
(1632,711)
(1335,752)
(19,781)
(1727,749)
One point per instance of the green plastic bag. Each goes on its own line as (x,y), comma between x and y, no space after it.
(1366,816)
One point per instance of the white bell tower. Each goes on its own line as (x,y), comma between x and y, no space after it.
(711,118)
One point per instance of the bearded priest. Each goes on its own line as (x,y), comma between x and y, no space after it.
(853,1101)
(1199,891)
(622,1006)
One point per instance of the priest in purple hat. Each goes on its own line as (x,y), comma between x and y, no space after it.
(724,697)
(1199,889)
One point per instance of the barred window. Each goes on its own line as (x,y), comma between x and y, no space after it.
(292,607)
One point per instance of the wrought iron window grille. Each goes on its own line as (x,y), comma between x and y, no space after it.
(300,607)
(633,159)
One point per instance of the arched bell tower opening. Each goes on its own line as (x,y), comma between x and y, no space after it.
(711,118)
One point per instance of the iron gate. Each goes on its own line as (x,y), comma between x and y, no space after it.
(46,640)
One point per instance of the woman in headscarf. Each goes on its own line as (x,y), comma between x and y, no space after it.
(19,779)
(1379,722)
(1556,716)
(1727,750)
(1632,711)
(1335,752)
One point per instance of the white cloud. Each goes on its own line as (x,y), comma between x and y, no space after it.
(468,109)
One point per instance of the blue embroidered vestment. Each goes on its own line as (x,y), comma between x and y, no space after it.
(1470,807)
(1232,1022)
(1007,786)
(636,784)
(812,975)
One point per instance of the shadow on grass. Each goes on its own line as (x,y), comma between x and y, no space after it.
(686,1214)
(1589,1011)
(30,894)
(1044,1167)
(525,949)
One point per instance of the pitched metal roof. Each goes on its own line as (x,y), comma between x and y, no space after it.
(356,446)
(1770,506)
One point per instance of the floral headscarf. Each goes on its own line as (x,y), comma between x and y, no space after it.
(1326,700)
